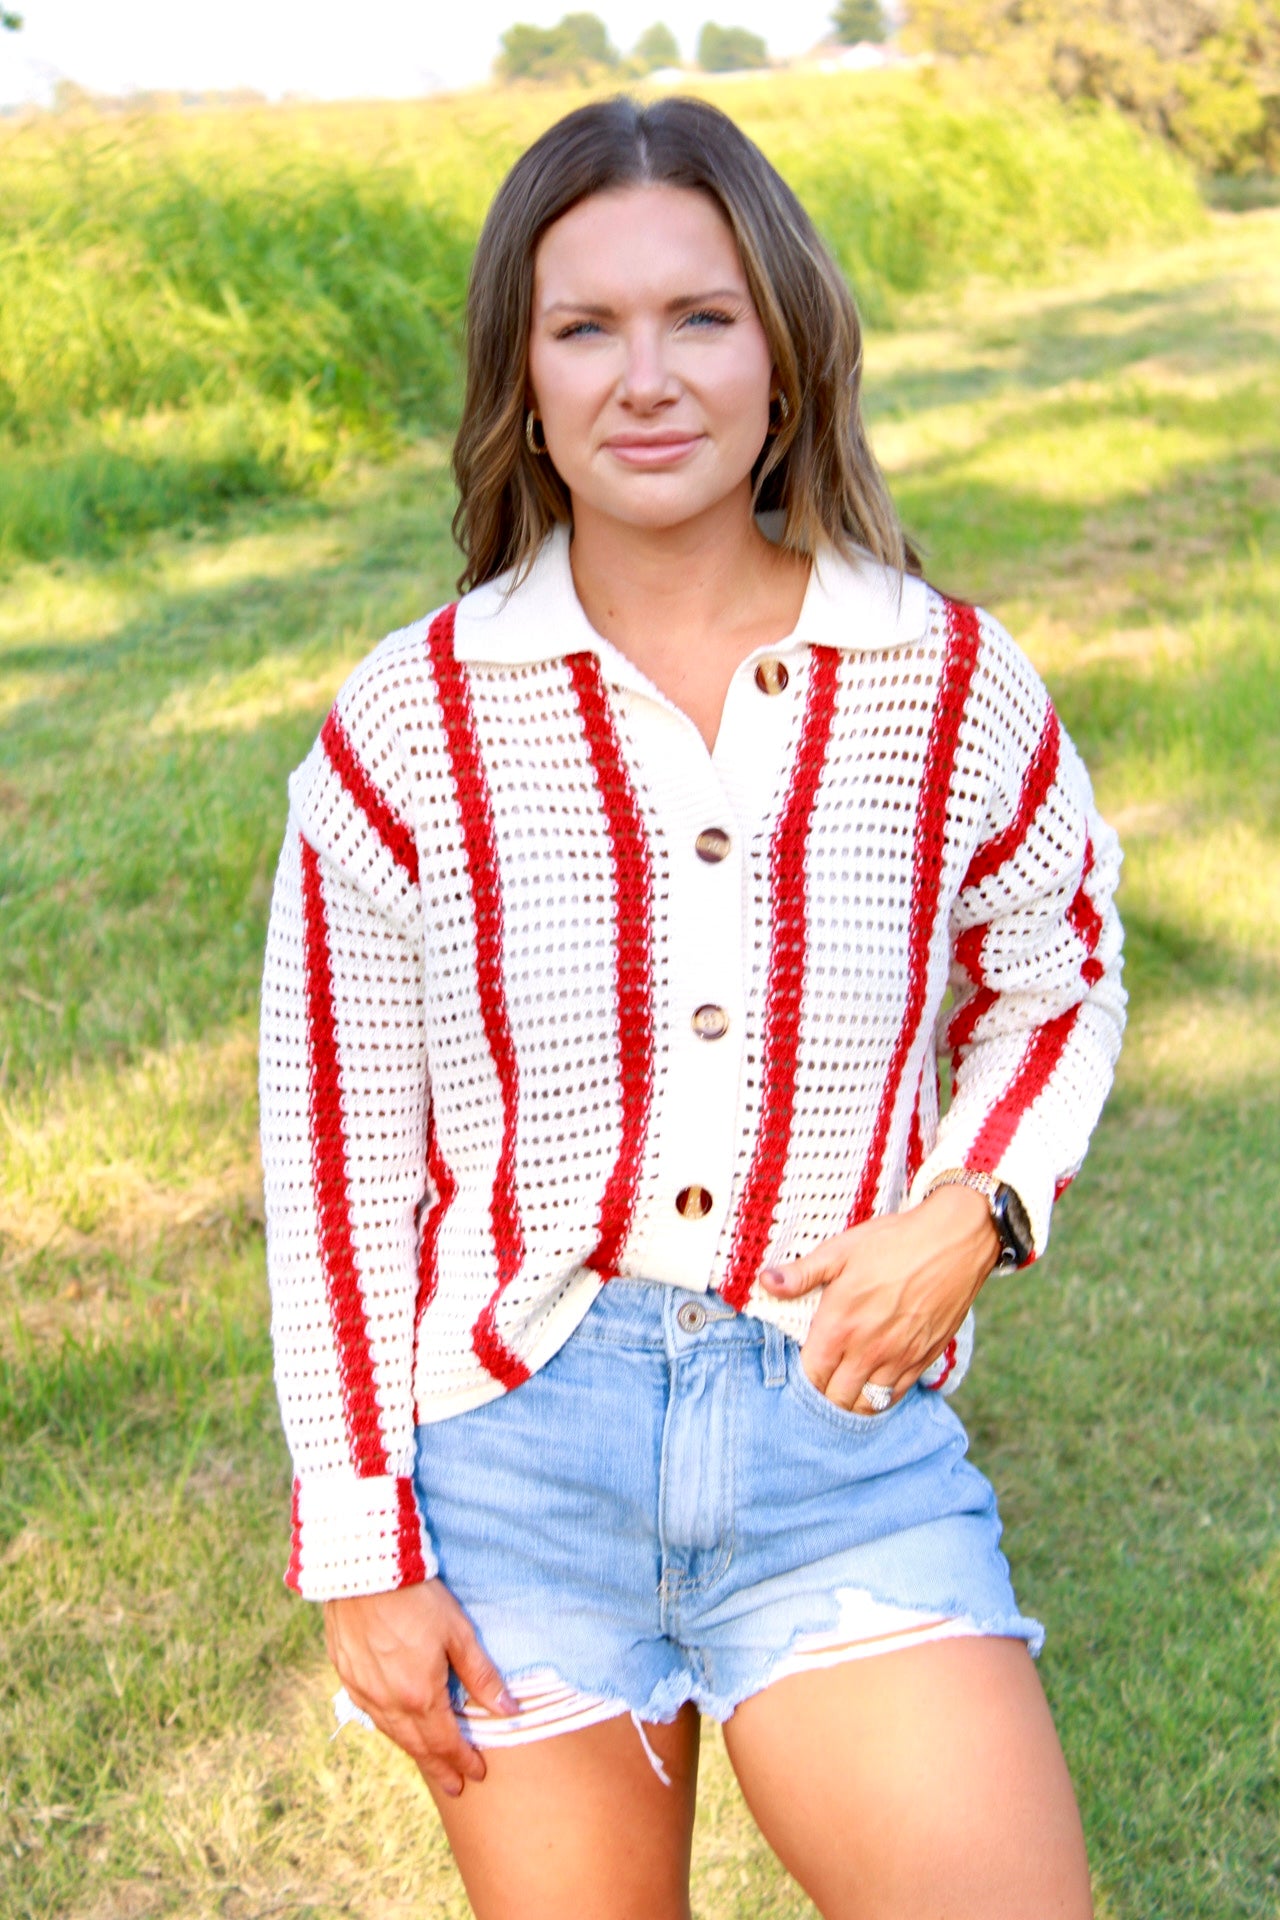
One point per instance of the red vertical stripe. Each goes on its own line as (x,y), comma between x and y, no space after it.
(958,664)
(948,1368)
(329,1185)
(444,1186)
(633,948)
(788,914)
(1086,922)
(915,1139)
(293,1572)
(393,832)
(1040,1057)
(964,1022)
(1042,771)
(409,1561)
(475,810)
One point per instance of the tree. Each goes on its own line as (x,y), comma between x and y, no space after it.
(1204,73)
(10,20)
(858,20)
(729,49)
(656,47)
(578,48)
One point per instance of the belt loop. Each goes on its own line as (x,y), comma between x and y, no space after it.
(775,1356)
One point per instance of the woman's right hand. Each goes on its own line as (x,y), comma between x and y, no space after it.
(393,1652)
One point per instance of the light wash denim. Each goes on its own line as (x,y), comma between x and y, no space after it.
(668,1503)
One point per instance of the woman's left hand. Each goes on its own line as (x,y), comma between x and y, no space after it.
(896,1289)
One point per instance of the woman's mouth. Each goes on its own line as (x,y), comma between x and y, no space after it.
(652,450)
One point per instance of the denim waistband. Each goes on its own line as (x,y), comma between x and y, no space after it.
(653,1314)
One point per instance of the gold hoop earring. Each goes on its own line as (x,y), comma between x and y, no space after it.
(531,421)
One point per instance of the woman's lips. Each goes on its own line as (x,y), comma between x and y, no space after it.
(653,453)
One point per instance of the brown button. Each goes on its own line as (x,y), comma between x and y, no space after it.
(710,1023)
(712,845)
(772,676)
(693,1203)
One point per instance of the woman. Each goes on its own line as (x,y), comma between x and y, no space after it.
(618,1249)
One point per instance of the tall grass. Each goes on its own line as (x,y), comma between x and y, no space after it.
(194,310)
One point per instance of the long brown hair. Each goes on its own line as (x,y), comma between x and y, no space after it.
(817,468)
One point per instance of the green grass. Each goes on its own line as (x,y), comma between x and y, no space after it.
(1096,461)
(198,310)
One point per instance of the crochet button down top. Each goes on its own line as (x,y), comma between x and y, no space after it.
(553,994)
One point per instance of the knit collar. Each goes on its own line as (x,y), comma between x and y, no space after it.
(853,604)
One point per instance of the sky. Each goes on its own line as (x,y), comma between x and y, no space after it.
(328,48)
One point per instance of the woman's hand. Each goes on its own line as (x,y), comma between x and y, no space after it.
(897,1288)
(393,1652)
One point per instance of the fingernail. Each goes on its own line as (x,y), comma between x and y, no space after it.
(507,1702)
(773,1277)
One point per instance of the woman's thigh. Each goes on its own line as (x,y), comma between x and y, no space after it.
(916,1784)
(580,1824)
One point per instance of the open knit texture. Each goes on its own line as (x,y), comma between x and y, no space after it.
(497,913)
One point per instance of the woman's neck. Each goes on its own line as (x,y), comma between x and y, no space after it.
(687,604)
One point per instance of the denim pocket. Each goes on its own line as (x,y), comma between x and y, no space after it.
(803,1390)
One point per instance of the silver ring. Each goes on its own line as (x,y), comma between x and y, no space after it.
(878,1398)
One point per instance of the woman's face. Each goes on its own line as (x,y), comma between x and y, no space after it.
(647,361)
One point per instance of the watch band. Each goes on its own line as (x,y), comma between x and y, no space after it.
(1008,1215)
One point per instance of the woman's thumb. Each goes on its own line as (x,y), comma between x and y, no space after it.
(797,1276)
(479,1675)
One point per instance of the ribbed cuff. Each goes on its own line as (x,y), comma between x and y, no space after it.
(353,1535)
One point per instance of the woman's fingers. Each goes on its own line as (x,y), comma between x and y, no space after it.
(393,1652)
(476,1670)
(895,1289)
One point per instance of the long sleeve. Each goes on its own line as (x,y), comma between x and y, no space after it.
(1037,1002)
(344,1108)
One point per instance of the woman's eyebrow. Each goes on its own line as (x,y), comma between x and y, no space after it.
(604,312)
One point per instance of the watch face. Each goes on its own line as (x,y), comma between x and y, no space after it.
(1013,1225)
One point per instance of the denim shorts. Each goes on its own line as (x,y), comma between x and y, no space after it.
(668,1508)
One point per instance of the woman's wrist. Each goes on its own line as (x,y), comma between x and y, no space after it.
(962,1219)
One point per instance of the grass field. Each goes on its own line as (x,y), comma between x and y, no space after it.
(1097,462)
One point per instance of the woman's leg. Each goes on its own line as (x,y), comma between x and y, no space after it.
(580,1824)
(917,1784)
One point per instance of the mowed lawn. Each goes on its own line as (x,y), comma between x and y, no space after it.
(1097,462)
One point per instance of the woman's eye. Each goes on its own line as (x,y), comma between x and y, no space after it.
(577,329)
(709,317)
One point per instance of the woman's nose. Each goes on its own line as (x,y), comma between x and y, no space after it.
(646,378)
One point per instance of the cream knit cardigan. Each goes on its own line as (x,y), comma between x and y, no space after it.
(481,1093)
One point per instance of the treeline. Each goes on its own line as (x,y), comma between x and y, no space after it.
(1204,74)
(578,50)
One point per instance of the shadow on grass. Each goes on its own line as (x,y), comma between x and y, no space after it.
(137,884)
(1079,340)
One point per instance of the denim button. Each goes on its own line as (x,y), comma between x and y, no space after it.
(691,1318)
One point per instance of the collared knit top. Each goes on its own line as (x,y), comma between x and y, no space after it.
(554,994)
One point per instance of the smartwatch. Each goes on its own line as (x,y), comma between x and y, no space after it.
(1008,1215)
